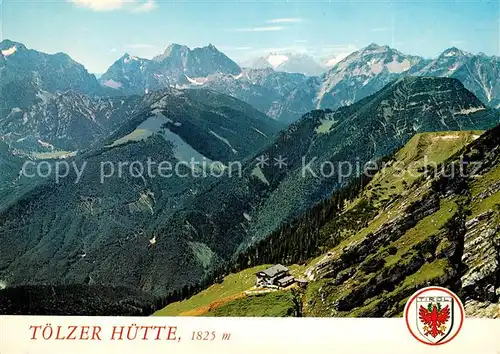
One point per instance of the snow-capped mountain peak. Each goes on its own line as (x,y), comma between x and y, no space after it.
(375,48)
(177,65)
(331,60)
(127,58)
(364,71)
(454,52)
(173,49)
(447,63)
(276,60)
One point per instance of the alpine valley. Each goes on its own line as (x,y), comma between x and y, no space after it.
(107,237)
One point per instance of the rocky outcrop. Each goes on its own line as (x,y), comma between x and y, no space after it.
(481,257)
(474,308)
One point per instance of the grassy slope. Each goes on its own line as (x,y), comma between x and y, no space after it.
(422,150)
(382,200)
(232,286)
(274,304)
(389,193)
(231,289)
(480,186)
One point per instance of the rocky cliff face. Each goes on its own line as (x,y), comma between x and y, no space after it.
(40,71)
(68,121)
(178,66)
(478,72)
(282,96)
(362,73)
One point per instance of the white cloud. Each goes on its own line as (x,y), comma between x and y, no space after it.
(261,29)
(286,20)
(101,5)
(111,5)
(147,6)
(380,29)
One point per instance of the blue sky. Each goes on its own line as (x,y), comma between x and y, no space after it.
(97,32)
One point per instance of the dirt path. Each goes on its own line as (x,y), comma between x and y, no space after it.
(213,305)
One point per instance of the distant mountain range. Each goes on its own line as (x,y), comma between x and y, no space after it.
(271,86)
(358,75)
(26,75)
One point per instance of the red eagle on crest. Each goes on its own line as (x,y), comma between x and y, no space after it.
(434,319)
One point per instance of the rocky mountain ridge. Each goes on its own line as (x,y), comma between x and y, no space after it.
(282,95)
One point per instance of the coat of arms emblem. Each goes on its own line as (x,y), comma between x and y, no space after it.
(434,315)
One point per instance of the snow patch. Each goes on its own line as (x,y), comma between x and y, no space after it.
(470,110)
(276,59)
(453,67)
(224,140)
(9,51)
(258,131)
(257,172)
(448,137)
(197,81)
(398,67)
(113,84)
(150,126)
(247,217)
(45,144)
(129,59)
(237,77)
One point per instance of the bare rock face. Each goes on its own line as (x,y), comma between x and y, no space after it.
(474,308)
(481,255)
